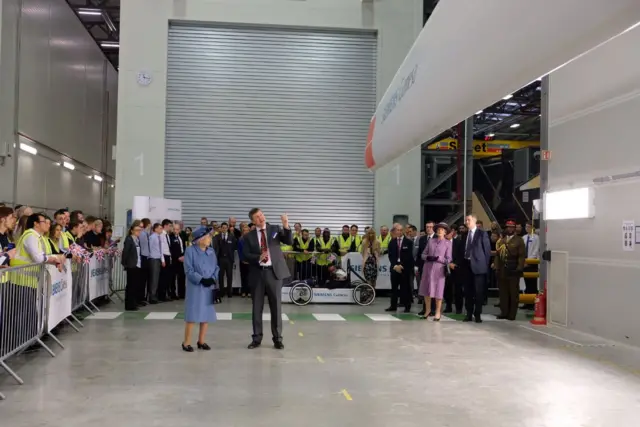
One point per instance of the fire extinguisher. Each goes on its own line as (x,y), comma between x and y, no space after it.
(540,312)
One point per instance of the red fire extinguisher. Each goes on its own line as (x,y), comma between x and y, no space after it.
(540,312)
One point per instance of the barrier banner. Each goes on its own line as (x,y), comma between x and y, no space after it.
(237,280)
(384,279)
(98,277)
(60,297)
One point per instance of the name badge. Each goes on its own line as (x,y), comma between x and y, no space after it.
(274,235)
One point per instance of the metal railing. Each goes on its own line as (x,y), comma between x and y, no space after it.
(30,305)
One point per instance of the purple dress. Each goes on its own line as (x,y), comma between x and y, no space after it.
(435,272)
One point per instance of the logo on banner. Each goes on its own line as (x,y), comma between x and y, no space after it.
(58,287)
(99,271)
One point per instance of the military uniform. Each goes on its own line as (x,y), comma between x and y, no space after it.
(509,263)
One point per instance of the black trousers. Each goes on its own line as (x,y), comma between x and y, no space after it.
(264,281)
(474,289)
(244,278)
(401,287)
(167,285)
(132,293)
(225,276)
(303,270)
(458,295)
(178,273)
(509,287)
(448,290)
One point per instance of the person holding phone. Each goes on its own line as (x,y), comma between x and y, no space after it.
(201,270)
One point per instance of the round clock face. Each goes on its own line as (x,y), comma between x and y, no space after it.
(144,78)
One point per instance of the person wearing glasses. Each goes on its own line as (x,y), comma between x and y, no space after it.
(132,263)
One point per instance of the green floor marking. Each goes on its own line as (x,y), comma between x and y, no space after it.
(241,316)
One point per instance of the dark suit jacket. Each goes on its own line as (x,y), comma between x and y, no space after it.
(129,253)
(176,250)
(480,252)
(276,235)
(406,255)
(226,249)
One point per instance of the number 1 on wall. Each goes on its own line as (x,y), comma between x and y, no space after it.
(141,159)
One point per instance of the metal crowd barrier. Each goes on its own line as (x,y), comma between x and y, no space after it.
(25,294)
(118,279)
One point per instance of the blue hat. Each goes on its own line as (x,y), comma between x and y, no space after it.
(199,233)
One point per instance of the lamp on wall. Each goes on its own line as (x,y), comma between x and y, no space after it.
(68,165)
(29,149)
(577,203)
(97,178)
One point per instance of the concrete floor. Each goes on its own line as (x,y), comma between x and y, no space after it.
(131,372)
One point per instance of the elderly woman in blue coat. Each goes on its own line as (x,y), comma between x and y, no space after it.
(201,270)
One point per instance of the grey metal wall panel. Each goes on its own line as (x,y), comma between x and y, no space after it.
(270,117)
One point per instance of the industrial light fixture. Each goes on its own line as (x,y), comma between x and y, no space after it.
(29,149)
(491,135)
(515,125)
(56,164)
(576,203)
(508,97)
(110,44)
(89,176)
(113,186)
(92,12)
(97,178)
(478,112)
(68,166)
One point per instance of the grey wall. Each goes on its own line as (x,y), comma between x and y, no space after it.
(594,109)
(66,98)
(142,110)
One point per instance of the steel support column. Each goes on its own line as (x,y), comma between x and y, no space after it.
(544,173)
(467,180)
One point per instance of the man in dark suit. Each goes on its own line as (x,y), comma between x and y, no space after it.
(177,248)
(267,269)
(472,262)
(224,244)
(401,264)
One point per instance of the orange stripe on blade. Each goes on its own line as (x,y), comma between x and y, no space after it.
(368,151)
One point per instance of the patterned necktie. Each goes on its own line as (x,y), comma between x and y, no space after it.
(264,253)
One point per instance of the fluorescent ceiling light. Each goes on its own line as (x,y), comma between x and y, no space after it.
(110,44)
(94,12)
(491,135)
(68,165)
(57,163)
(569,204)
(113,186)
(89,176)
(29,149)
(97,178)
(515,125)
(506,98)
(478,112)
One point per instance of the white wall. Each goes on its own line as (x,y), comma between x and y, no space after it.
(141,110)
(594,107)
(63,78)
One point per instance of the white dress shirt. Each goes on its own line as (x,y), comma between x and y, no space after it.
(32,248)
(268,263)
(532,246)
(164,242)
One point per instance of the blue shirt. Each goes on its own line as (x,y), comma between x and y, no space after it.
(155,246)
(144,243)
(240,245)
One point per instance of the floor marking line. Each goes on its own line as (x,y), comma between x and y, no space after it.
(551,335)
(346,394)
(300,334)
(320,359)
(292,322)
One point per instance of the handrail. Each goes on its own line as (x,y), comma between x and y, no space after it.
(513,194)
(486,207)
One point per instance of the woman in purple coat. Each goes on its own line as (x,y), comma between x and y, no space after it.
(437,256)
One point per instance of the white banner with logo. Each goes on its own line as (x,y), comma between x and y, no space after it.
(61,292)
(384,280)
(98,277)
(156,208)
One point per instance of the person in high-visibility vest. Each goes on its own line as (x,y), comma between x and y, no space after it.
(31,249)
(297,231)
(60,218)
(52,238)
(384,238)
(305,246)
(325,245)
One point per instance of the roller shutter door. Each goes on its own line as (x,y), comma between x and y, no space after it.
(273,118)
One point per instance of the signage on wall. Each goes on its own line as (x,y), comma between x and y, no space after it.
(545,155)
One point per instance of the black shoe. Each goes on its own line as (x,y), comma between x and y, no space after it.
(203,346)
(132,309)
(143,303)
(478,319)
(422,312)
(278,345)
(511,319)
(501,317)
(187,348)
(407,310)
(449,309)
(153,302)
(391,309)
(254,344)
(436,319)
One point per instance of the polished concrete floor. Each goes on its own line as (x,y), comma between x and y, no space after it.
(130,371)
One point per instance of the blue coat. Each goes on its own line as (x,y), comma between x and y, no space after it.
(198,265)
(479,251)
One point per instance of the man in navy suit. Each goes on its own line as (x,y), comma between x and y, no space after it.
(401,263)
(472,258)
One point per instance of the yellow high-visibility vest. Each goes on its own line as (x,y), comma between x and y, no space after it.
(302,257)
(25,277)
(345,244)
(384,243)
(322,259)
